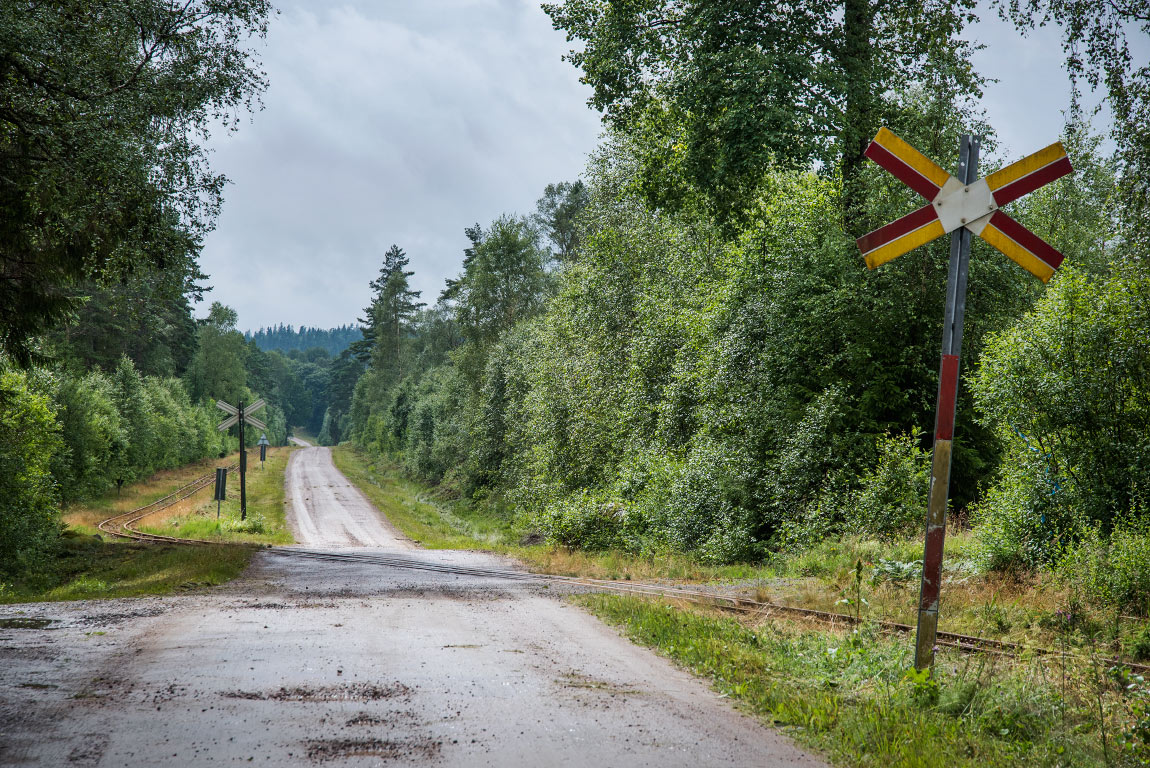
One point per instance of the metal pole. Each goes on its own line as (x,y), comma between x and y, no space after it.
(243,468)
(944,420)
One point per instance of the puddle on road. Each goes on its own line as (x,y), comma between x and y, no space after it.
(23,622)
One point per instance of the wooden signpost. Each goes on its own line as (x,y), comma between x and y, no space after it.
(962,205)
(241,415)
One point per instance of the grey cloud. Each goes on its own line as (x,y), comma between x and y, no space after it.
(388,122)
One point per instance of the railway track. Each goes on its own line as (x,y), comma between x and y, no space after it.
(123,526)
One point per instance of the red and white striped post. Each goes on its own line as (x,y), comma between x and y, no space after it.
(944,421)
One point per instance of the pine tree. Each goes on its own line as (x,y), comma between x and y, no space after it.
(392,307)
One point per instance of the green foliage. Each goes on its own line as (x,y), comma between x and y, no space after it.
(1065,389)
(557,215)
(714,372)
(393,305)
(147,318)
(584,521)
(722,395)
(106,105)
(218,369)
(1112,572)
(284,338)
(29,442)
(852,696)
(502,283)
(891,500)
(1138,646)
(1100,40)
(125,426)
(718,93)
(1134,739)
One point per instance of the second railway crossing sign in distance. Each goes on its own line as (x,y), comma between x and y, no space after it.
(963,205)
(238,414)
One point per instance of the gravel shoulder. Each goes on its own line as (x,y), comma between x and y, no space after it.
(305,662)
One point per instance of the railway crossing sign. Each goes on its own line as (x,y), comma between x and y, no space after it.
(962,205)
(238,414)
(953,204)
(234,414)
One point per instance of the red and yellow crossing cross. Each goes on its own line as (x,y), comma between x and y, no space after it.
(952,204)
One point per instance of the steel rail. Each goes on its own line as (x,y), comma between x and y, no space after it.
(960,642)
(121,525)
(965,643)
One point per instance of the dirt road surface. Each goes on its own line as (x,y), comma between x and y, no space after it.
(328,512)
(305,663)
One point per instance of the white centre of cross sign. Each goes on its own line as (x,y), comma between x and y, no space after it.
(964,206)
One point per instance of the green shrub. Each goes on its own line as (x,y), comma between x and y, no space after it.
(1138,646)
(1111,573)
(1065,387)
(255,523)
(585,521)
(1023,523)
(891,500)
(706,509)
(29,440)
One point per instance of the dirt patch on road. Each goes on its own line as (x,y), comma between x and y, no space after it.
(580,681)
(390,718)
(348,692)
(323,750)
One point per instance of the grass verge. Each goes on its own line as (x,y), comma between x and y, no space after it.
(88,567)
(98,569)
(851,696)
(877,579)
(425,522)
(196,517)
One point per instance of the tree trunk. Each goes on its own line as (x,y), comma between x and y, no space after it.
(860,115)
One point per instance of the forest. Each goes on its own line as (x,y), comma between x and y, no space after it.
(285,338)
(105,373)
(682,351)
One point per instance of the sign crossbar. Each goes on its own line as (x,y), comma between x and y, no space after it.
(958,202)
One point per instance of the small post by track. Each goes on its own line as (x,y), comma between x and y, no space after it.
(221,490)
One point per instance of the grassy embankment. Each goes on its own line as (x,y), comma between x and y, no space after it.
(847,693)
(87,567)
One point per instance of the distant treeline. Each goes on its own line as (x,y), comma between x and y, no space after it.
(286,337)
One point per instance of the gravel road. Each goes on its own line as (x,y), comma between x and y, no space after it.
(305,662)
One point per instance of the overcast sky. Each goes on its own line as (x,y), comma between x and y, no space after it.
(403,122)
